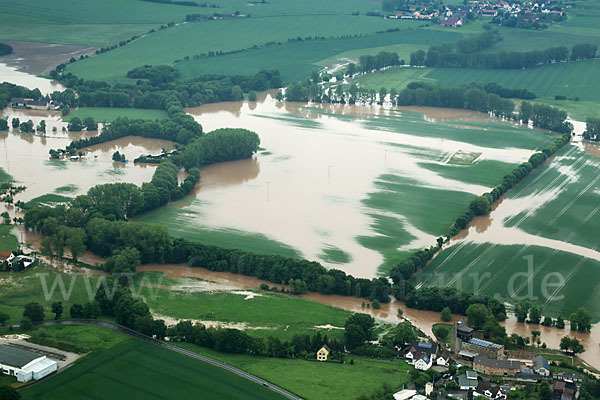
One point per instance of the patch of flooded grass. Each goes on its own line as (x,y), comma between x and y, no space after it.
(4,176)
(484,172)
(71,188)
(104,114)
(48,199)
(334,255)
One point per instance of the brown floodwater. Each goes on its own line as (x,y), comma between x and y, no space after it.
(12,75)
(424,320)
(306,189)
(25,156)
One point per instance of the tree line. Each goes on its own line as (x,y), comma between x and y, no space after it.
(10,90)
(447,56)
(157,91)
(592,131)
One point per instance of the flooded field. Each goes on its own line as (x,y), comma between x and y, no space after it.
(424,320)
(25,157)
(544,230)
(343,185)
(13,75)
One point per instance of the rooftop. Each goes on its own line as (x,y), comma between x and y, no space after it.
(16,357)
(506,364)
(484,343)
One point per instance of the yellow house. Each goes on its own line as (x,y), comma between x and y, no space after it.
(323,353)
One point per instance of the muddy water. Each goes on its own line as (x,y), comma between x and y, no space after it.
(306,189)
(26,158)
(423,320)
(10,74)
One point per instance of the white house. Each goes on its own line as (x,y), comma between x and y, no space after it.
(441,361)
(423,363)
(25,365)
(490,391)
(541,366)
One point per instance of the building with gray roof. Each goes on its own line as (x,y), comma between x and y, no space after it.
(25,365)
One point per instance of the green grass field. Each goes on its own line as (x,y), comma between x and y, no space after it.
(280,315)
(319,381)
(139,370)
(558,201)
(5,177)
(48,199)
(104,114)
(8,241)
(77,338)
(294,60)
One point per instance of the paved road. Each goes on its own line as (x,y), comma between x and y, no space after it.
(216,363)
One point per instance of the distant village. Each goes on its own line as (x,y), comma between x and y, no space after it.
(507,13)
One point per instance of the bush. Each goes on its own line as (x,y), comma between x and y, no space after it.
(441,331)
(264,286)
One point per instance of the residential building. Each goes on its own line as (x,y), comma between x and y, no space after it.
(491,366)
(323,353)
(541,366)
(468,380)
(567,376)
(564,390)
(488,390)
(423,362)
(453,22)
(25,365)
(529,375)
(417,350)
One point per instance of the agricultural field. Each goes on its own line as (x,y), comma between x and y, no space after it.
(548,221)
(104,114)
(293,59)
(333,380)
(408,189)
(155,371)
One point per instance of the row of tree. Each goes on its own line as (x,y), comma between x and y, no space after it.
(449,56)
(545,117)
(592,130)
(9,90)
(580,320)
(159,91)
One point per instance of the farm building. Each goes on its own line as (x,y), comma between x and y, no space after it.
(25,365)
(464,344)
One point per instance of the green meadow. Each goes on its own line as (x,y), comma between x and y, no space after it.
(266,314)
(150,374)
(315,380)
(8,241)
(105,114)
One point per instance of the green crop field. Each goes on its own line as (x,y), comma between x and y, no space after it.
(575,80)
(557,205)
(294,59)
(139,370)
(103,114)
(317,380)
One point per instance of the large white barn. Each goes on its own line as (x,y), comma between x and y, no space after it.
(25,365)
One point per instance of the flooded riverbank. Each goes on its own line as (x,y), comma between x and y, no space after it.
(424,320)
(13,75)
(25,156)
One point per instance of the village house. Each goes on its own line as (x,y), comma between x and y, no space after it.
(423,362)
(541,366)
(323,353)
(25,365)
(530,376)
(567,376)
(453,22)
(43,104)
(564,390)
(495,367)
(417,350)
(468,380)
(488,390)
